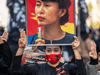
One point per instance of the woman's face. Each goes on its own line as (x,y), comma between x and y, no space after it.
(47,13)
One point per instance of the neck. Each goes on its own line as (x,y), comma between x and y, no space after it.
(55,32)
(54,65)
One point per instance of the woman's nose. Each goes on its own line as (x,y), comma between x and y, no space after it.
(41,10)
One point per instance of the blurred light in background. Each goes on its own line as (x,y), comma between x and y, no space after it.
(4,14)
(94,13)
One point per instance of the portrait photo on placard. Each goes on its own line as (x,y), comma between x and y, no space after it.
(50,22)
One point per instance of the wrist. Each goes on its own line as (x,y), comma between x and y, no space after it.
(77,54)
(20,51)
(22,48)
(75,50)
(1,42)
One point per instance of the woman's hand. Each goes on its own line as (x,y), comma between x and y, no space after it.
(76,43)
(93,52)
(22,43)
(75,46)
(4,37)
(1,41)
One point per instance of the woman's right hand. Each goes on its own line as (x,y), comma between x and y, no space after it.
(1,41)
(4,37)
(22,43)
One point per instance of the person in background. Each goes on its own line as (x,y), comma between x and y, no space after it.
(98,41)
(92,66)
(5,55)
(99,63)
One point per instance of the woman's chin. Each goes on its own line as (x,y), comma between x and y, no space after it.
(41,24)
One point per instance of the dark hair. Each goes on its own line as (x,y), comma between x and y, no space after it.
(59,46)
(63,4)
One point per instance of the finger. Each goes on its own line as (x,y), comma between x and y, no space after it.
(4,38)
(1,40)
(5,35)
(93,53)
(22,34)
(90,54)
(74,47)
(20,41)
(76,38)
(93,46)
(75,41)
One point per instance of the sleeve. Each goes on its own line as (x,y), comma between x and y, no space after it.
(92,68)
(78,68)
(93,61)
(6,56)
(18,69)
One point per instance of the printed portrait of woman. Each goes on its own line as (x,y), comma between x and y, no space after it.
(50,22)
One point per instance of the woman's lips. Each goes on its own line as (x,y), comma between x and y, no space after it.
(41,18)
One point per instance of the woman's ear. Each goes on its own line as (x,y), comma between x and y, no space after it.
(63,12)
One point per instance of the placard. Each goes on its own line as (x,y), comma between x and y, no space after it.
(55,19)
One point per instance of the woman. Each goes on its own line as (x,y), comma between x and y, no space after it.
(51,14)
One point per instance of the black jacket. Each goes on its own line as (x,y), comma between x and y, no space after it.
(5,59)
(45,69)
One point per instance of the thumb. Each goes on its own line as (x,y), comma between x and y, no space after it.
(91,55)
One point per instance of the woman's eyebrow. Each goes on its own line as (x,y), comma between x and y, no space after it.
(49,48)
(38,1)
(56,49)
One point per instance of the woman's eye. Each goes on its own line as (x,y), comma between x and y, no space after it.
(47,5)
(37,4)
(56,50)
(48,50)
